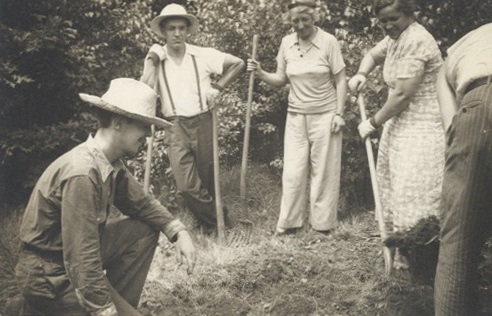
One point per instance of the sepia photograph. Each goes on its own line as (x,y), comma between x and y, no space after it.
(246,157)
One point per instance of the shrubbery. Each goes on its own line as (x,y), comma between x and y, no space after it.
(51,50)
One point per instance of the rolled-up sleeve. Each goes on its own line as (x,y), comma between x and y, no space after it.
(80,220)
(131,200)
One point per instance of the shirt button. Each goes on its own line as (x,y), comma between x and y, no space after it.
(98,219)
(464,110)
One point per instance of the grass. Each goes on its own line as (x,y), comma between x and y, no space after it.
(257,273)
(9,245)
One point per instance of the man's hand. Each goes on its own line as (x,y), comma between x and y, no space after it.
(185,251)
(212,95)
(337,124)
(157,53)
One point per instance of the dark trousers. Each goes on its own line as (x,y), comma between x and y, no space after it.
(127,248)
(466,206)
(190,149)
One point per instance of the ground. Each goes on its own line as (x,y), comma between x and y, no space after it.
(254,272)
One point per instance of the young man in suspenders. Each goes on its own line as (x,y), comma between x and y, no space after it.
(181,74)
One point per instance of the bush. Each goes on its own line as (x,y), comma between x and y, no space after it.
(26,153)
(51,50)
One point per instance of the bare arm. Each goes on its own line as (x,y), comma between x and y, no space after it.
(276,79)
(155,55)
(338,122)
(233,66)
(341,86)
(149,72)
(367,64)
(446,98)
(399,99)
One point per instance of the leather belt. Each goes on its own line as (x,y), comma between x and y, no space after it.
(477,83)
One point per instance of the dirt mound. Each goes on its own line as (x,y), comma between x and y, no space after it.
(420,245)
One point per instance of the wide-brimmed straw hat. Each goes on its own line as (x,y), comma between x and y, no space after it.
(297,3)
(173,10)
(130,98)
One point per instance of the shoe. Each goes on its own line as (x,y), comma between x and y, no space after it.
(280,231)
(323,232)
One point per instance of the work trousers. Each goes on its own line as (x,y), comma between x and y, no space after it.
(190,149)
(466,206)
(127,249)
(312,163)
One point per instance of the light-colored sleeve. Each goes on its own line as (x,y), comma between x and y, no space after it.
(335,57)
(215,60)
(379,51)
(415,53)
(281,59)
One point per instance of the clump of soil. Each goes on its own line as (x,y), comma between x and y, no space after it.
(420,245)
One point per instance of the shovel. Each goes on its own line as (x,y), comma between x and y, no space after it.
(388,261)
(218,198)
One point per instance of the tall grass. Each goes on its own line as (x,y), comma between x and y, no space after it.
(9,246)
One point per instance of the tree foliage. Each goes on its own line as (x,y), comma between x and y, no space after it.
(50,50)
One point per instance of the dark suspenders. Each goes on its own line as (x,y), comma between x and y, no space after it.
(197,84)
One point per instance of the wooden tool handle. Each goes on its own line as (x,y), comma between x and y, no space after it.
(247,126)
(375,189)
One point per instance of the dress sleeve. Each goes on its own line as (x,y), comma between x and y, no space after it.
(80,220)
(412,59)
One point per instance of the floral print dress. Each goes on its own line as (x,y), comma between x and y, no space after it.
(411,151)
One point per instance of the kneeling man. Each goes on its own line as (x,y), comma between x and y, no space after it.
(74,260)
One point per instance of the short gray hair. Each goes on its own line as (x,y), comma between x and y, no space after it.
(305,10)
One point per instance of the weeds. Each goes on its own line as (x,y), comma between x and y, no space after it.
(9,245)
(306,273)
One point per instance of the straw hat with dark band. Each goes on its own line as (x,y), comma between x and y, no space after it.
(173,11)
(130,98)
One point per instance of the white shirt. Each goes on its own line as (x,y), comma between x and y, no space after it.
(182,80)
(469,59)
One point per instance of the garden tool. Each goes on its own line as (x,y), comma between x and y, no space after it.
(148,160)
(218,198)
(388,261)
(244,165)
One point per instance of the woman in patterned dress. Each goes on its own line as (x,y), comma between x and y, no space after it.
(411,151)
